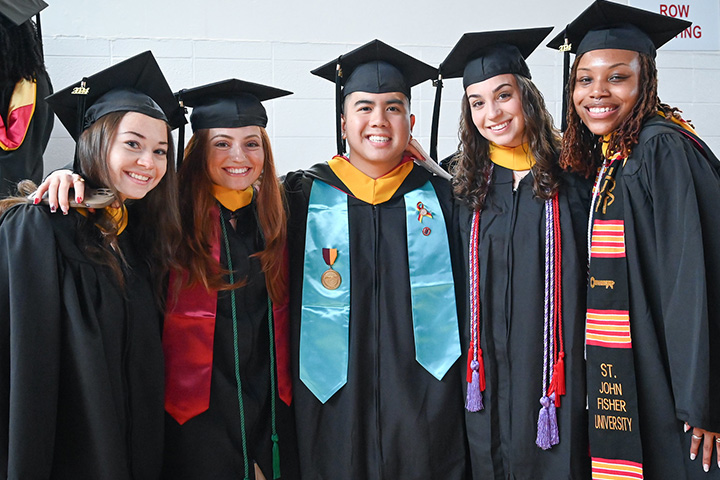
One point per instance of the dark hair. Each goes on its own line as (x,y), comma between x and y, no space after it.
(472,164)
(155,219)
(581,150)
(21,55)
(200,229)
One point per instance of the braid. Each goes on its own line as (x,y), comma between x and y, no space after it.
(21,56)
(580,147)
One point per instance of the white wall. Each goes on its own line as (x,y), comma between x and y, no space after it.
(278,42)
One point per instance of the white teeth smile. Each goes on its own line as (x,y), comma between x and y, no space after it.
(600,109)
(237,171)
(499,126)
(378,139)
(136,176)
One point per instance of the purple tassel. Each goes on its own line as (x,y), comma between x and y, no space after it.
(473,402)
(547,432)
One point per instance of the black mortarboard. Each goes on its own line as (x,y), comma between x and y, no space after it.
(229,104)
(134,85)
(609,25)
(375,67)
(482,55)
(606,24)
(17,12)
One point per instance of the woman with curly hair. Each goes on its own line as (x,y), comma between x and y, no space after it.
(653,328)
(523,232)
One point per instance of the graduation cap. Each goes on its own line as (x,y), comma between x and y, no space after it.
(228,104)
(133,85)
(17,12)
(375,67)
(482,55)
(608,25)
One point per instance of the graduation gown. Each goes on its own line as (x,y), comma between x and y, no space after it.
(81,366)
(671,194)
(26,162)
(512,282)
(392,419)
(209,446)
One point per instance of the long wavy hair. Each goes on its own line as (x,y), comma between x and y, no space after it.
(155,223)
(472,164)
(581,150)
(200,229)
(21,56)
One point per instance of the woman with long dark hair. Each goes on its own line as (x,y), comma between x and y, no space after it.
(654,282)
(522,231)
(227,384)
(81,377)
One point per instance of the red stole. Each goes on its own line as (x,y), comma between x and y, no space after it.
(188,337)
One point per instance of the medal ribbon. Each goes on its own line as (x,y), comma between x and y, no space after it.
(329,255)
(615,445)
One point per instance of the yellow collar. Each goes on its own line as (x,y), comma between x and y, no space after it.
(233,199)
(513,158)
(370,190)
(119,215)
(680,122)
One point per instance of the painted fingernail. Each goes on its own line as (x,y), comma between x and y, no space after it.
(692,456)
(686,427)
(79,200)
(65,212)
(53,208)
(706,468)
(36,200)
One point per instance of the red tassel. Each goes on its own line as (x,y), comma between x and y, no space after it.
(557,384)
(481,368)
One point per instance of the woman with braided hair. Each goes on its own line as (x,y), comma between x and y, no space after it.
(653,328)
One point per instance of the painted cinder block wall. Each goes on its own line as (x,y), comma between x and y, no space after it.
(279,42)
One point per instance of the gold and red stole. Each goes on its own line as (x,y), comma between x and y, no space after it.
(19,115)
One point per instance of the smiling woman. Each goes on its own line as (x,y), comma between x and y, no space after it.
(653,232)
(81,376)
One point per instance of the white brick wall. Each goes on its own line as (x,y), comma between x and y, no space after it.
(278,43)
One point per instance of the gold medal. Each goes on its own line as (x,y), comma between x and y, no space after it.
(330,278)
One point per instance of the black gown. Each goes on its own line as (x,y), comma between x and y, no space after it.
(392,420)
(512,281)
(209,446)
(26,162)
(671,196)
(81,365)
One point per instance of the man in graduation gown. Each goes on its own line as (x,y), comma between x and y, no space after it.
(375,341)
(25,118)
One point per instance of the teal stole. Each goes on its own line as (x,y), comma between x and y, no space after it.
(325,314)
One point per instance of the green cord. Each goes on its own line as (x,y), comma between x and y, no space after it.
(237,354)
(275,438)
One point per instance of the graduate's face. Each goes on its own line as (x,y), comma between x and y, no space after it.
(137,158)
(235,156)
(607,86)
(496,107)
(377,127)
